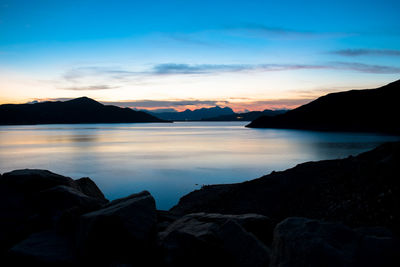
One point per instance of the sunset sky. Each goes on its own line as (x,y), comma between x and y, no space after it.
(187,54)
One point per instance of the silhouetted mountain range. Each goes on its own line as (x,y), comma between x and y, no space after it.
(193,115)
(246,116)
(79,110)
(371,110)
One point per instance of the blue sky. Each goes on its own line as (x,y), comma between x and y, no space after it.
(150,54)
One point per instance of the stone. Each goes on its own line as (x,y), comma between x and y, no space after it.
(33,200)
(306,242)
(43,249)
(89,188)
(212,239)
(124,229)
(62,205)
(34,180)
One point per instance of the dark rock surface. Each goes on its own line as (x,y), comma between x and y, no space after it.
(373,110)
(79,110)
(44,249)
(359,191)
(89,188)
(213,239)
(32,180)
(123,229)
(35,200)
(305,242)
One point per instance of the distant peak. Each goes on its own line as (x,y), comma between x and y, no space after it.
(84,100)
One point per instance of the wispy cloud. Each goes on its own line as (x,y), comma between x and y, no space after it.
(76,74)
(189,38)
(265,31)
(172,68)
(90,88)
(366,52)
(100,78)
(367,68)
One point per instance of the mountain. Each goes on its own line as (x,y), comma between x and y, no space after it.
(246,116)
(370,110)
(79,110)
(194,115)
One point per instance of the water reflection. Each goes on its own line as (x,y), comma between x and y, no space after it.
(170,160)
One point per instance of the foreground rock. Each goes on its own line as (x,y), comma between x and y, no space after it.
(44,249)
(305,242)
(124,230)
(358,191)
(215,240)
(36,200)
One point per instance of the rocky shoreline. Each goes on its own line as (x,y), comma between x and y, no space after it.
(343,212)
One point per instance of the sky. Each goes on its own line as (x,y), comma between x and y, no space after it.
(248,55)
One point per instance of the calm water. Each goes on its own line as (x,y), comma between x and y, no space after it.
(170,160)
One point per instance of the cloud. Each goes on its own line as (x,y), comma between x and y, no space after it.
(366,52)
(367,68)
(83,78)
(189,38)
(90,88)
(172,68)
(264,31)
(76,74)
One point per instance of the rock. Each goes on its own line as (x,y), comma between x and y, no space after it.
(213,239)
(306,242)
(33,180)
(61,205)
(259,225)
(358,191)
(164,219)
(43,249)
(89,188)
(124,229)
(33,200)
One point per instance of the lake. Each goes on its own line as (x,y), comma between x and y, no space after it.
(170,159)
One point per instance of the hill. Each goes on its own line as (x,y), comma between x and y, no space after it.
(194,115)
(79,110)
(371,110)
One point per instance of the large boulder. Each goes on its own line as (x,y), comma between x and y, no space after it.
(43,249)
(35,200)
(61,206)
(89,188)
(34,180)
(125,229)
(214,239)
(305,242)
